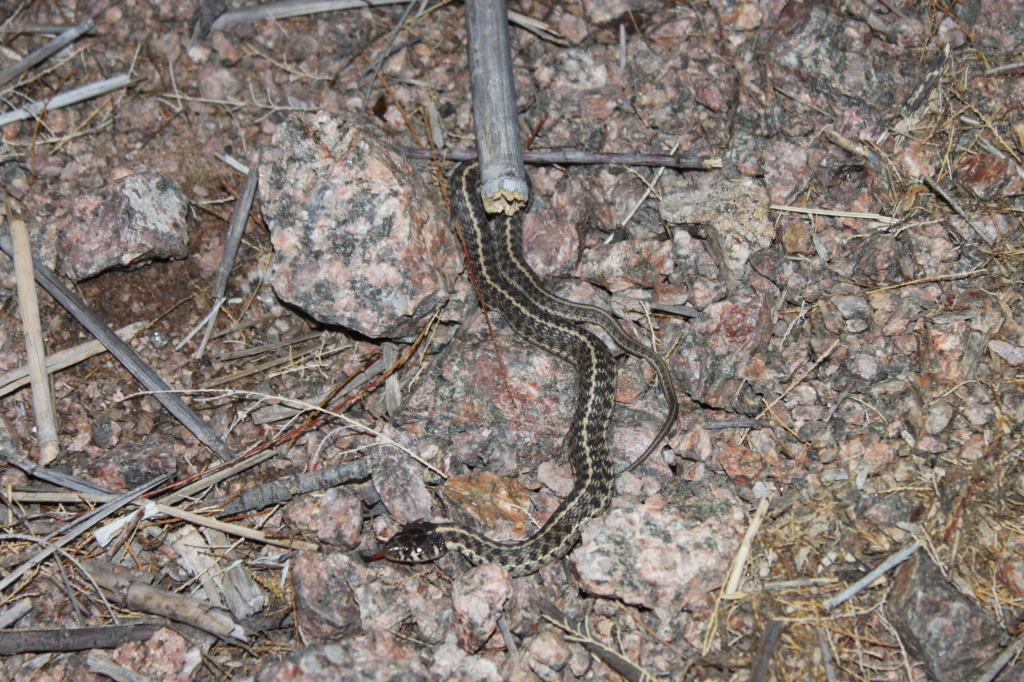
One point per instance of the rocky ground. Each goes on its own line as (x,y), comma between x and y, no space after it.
(841,305)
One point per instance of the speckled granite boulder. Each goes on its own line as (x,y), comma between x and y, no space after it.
(128,223)
(359,239)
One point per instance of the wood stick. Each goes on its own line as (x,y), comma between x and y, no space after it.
(236,226)
(557,156)
(51,476)
(78,528)
(36,56)
(77,639)
(235,529)
(884,567)
(566,156)
(66,99)
(42,393)
(139,596)
(16,378)
(495,120)
(291,8)
(770,639)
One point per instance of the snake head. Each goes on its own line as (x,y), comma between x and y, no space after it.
(417,543)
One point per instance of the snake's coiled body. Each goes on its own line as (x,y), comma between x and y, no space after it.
(518,273)
(587,438)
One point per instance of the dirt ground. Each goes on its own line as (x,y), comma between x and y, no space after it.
(842,304)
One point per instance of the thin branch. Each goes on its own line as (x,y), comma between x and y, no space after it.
(66,99)
(883,568)
(42,393)
(566,156)
(44,52)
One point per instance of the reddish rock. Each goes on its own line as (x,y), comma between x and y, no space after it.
(733,213)
(325,608)
(164,656)
(127,223)
(130,464)
(478,598)
(378,655)
(740,464)
(359,240)
(341,519)
(625,264)
(553,235)
(549,650)
(678,554)
(1013,354)
(951,634)
(984,174)
(399,480)
(717,347)
(495,504)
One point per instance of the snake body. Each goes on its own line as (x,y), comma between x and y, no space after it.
(517,272)
(587,437)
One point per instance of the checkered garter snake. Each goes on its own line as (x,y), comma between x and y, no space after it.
(507,284)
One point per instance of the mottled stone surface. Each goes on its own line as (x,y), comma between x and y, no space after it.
(129,464)
(337,595)
(495,504)
(465,408)
(1013,354)
(341,518)
(717,350)
(548,652)
(359,239)
(624,264)
(555,229)
(734,213)
(325,607)
(478,598)
(939,625)
(662,555)
(451,662)
(164,656)
(127,223)
(378,655)
(399,480)
(431,606)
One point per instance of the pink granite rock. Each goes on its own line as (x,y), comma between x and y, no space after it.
(478,597)
(359,239)
(128,223)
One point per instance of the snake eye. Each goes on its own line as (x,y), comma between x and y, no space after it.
(415,544)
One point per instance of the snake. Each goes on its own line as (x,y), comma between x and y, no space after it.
(586,440)
(517,272)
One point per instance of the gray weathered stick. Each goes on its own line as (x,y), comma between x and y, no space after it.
(284,489)
(236,226)
(119,349)
(65,38)
(16,378)
(884,567)
(74,639)
(68,481)
(291,8)
(66,99)
(502,178)
(577,156)
(139,596)
(239,216)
